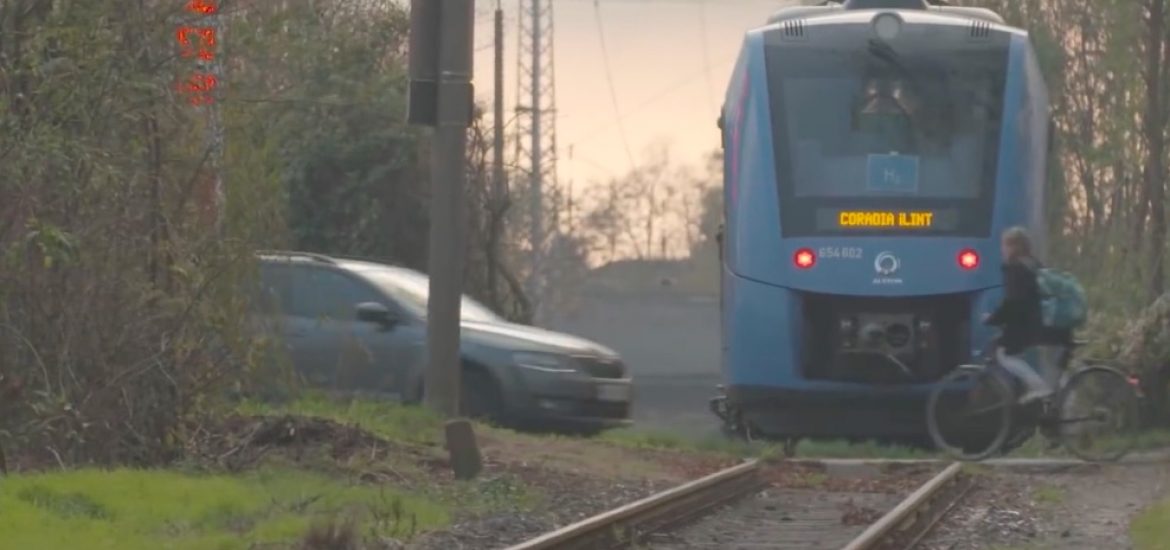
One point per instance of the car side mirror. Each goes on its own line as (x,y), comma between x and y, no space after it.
(378,314)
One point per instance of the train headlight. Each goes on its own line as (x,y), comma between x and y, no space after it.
(887,26)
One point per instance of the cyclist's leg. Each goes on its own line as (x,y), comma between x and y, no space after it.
(1019,368)
(1050,363)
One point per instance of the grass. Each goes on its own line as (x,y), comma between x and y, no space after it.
(150,509)
(651,439)
(1036,447)
(278,502)
(396,422)
(635,438)
(383,417)
(845,449)
(1048,495)
(399,423)
(1151,530)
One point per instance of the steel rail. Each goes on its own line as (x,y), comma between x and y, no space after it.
(910,521)
(624,526)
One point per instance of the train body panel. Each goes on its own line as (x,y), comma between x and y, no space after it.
(861,243)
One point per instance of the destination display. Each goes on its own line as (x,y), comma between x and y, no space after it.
(835,219)
(885,219)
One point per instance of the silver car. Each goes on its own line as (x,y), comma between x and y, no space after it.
(358,325)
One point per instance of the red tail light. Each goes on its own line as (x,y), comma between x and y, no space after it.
(804,258)
(968,259)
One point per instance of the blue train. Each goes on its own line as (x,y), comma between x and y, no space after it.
(873,153)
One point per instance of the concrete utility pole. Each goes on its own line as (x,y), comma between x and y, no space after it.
(498,174)
(496,205)
(441,42)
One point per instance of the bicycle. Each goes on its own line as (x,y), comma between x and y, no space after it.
(987,394)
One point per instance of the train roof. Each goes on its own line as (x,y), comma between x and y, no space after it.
(845,7)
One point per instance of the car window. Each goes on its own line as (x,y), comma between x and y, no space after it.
(312,292)
(275,292)
(324,293)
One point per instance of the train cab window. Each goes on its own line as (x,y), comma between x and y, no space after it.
(860,126)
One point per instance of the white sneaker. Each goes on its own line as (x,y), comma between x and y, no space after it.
(1034,394)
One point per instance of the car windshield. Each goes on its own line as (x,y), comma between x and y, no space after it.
(411,290)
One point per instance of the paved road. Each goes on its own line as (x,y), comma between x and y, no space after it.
(676,404)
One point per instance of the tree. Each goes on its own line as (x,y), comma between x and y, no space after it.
(1154,119)
(651,211)
(122,314)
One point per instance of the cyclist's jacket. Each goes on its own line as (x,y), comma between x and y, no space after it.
(1018,315)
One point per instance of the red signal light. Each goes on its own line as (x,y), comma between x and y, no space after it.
(968,259)
(804,258)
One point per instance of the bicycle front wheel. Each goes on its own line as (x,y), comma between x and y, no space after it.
(969,412)
(1098,414)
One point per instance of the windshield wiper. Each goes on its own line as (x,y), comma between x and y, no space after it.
(885,52)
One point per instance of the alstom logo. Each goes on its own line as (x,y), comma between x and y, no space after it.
(886,263)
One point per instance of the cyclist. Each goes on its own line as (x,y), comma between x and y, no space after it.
(1018,315)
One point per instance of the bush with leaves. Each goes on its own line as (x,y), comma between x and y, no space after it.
(123,308)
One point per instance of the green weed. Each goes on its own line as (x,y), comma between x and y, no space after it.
(1151,530)
(1048,495)
(383,417)
(644,439)
(868,449)
(150,509)
(635,438)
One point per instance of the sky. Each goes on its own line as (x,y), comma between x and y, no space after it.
(668,64)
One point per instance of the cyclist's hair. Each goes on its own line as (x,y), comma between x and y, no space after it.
(1018,241)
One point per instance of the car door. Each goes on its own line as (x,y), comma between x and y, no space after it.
(391,351)
(400,352)
(359,355)
(328,341)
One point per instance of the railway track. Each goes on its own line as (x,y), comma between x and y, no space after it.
(738,508)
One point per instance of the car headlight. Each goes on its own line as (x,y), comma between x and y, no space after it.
(544,362)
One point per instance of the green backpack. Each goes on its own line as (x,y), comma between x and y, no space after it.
(1062,299)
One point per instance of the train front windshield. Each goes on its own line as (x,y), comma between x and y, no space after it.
(878,140)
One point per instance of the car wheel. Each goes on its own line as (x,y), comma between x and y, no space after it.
(481,398)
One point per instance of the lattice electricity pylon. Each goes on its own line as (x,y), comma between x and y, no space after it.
(536,142)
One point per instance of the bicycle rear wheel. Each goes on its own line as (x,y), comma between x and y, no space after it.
(969,412)
(1098,414)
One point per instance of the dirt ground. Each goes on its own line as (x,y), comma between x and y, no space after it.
(1080,508)
(542,483)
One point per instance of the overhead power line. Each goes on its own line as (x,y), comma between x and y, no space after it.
(609,81)
(650,101)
